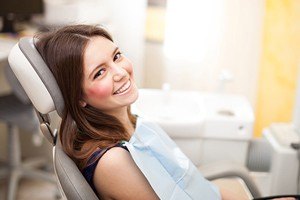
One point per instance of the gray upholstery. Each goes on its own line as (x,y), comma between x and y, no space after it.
(43,71)
(72,182)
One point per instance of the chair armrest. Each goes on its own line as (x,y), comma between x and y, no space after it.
(227,170)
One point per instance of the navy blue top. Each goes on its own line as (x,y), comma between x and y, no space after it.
(89,170)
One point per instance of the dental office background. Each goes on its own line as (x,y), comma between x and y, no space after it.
(244,47)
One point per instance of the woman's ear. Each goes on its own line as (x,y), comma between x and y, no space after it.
(82,103)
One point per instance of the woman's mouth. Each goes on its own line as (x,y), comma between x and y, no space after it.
(124,88)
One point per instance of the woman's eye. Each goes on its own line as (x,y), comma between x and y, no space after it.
(99,73)
(117,56)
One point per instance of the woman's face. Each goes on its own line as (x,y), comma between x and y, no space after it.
(108,82)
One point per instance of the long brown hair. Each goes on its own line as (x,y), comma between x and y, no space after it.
(83,129)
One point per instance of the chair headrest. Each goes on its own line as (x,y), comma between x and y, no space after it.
(35,77)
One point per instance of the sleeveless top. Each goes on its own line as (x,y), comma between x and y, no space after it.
(89,170)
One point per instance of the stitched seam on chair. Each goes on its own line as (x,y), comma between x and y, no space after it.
(68,177)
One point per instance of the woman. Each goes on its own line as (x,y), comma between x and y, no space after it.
(98,87)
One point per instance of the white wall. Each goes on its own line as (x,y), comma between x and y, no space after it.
(237,49)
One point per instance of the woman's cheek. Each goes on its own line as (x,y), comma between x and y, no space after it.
(99,92)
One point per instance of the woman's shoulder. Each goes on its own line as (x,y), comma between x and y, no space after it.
(112,161)
(100,152)
(117,169)
(89,170)
(113,157)
(110,169)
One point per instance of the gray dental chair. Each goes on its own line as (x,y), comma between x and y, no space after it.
(42,89)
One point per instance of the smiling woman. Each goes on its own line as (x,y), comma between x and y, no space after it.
(98,86)
(90,70)
(108,82)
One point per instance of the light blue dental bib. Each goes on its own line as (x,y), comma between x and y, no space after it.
(170,173)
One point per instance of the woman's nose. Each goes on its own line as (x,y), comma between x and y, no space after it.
(118,73)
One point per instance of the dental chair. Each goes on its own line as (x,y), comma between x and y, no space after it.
(44,93)
(42,90)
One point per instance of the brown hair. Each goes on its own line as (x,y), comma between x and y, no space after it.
(83,129)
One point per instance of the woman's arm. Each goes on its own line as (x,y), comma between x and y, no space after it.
(117,177)
(229,195)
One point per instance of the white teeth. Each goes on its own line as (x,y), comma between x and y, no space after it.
(124,88)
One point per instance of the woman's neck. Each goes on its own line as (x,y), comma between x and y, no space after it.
(122,115)
(127,123)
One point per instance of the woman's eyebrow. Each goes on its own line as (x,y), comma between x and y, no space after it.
(98,66)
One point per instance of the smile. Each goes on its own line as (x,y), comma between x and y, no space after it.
(124,88)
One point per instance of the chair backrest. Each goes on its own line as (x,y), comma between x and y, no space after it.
(41,88)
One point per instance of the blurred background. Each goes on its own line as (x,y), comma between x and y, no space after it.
(248,48)
(244,47)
